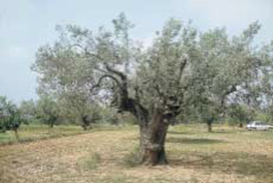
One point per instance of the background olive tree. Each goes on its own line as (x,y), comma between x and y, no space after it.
(28,110)
(10,116)
(231,70)
(78,109)
(48,110)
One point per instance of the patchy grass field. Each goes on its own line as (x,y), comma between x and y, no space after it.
(36,132)
(107,156)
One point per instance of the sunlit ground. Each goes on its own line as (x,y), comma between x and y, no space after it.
(229,154)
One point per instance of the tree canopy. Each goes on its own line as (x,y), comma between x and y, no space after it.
(182,69)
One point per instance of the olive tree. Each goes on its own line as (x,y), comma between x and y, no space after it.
(231,69)
(149,83)
(154,84)
(240,114)
(77,107)
(10,116)
(28,110)
(47,110)
(266,84)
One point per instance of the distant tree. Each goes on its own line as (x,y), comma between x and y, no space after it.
(28,111)
(229,71)
(47,110)
(208,113)
(10,116)
(265,85)
(3,114)
(79,107)
(240,114)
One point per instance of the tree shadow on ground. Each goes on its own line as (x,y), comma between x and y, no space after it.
(199,141)
(260,166)
(221,131)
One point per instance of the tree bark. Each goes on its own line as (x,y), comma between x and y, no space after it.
(152,141)
(86,123)
(16,134)
(209,123)
(152,131)
(84,127)
(51,125)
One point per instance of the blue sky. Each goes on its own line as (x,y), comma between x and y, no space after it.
(25,25)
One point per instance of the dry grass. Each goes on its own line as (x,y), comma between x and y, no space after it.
(227,155)
(28,133)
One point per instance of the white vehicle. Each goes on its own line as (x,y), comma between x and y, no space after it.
(258,125)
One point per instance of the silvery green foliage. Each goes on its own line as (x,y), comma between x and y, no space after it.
(28,110)
(76,60)
(266,87)
(74,106)
(10,116)
(166,70)
(232,70)
(181,69)
(47,110)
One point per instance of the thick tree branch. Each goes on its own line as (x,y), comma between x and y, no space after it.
(101,79)
(125,103)
(118,73)
(182,67)
(232,89)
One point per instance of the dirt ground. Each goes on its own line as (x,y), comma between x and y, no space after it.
(107,156)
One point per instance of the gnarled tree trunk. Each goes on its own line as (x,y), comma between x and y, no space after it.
(153,124)
(86,123)
(152,141)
